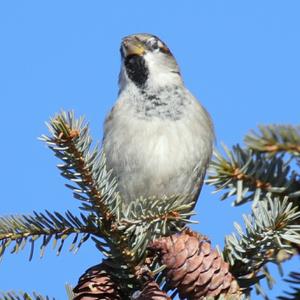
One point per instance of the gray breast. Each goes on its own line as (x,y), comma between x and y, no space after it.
(166,103)
(159,146)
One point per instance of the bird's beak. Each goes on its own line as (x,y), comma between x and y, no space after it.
(132,46)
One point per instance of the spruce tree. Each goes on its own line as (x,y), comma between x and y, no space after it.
(149,251)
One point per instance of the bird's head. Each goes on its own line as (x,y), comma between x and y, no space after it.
(147,63)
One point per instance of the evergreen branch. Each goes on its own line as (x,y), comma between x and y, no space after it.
(143,221)
(250,175)
(12,295)
(22,296)
(294,278)
(152,210)
(91,182)
(274,139)
(69,291)
(269,229)
(18,230)
(147,219)
(70,141)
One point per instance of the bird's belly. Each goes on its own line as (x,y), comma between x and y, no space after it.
(155,160)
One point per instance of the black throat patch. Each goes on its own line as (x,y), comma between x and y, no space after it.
(136,69)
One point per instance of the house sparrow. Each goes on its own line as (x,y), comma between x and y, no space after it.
(158,138)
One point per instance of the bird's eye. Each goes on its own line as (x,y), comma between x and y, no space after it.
(153,44)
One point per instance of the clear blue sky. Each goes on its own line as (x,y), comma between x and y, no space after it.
(241,58)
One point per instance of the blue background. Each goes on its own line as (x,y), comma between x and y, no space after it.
(241,58)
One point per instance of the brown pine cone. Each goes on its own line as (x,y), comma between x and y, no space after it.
(194,268)
(96,283)
(151,291)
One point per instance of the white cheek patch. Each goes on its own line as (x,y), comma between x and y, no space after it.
(162,70)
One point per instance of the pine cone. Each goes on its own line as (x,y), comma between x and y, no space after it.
(96,283)
(194,268)
(151,291)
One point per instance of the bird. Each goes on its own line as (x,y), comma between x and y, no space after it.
(158,138)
